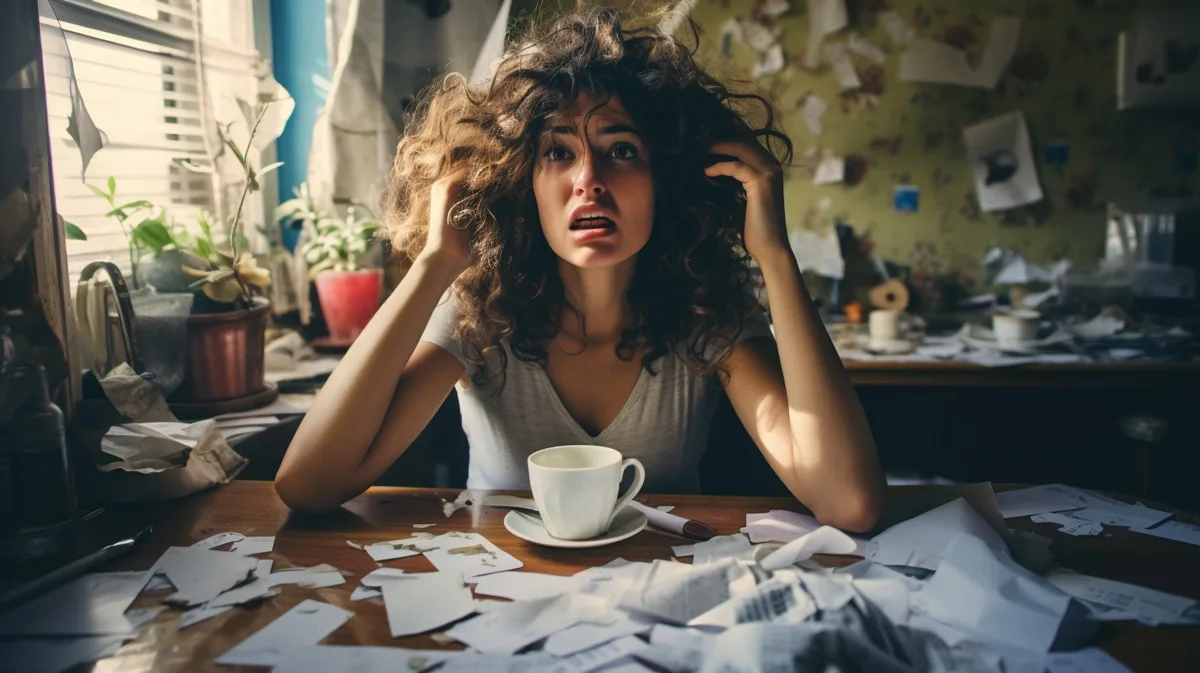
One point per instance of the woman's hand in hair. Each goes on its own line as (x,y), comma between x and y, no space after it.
(762,179)
(448,243)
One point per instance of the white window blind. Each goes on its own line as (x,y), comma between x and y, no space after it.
(136,64)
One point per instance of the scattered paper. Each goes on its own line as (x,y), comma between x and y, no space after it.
(1147,605)
(780,599)
(142,616)
(678,592)
(515,625)
(866,48)
(522,586)
(199,575)
(306,624)
(254,545)
(586,635)
(758,36)
(464,500)
(830,171)
(310,578)
(218,540)
(1071,525)
(200,614)
(941,63)
(843,68)
(721,547)
(423,526)
(1096,507)
(824,540)
(1001,159)
(683,550)
(359,659)
(665,508)
(990,596)
(771,62)
(599,657)
(819,253)
(442,596)
(377,577)
(362,593)
(778,526)
(254,590)
(896,27)
(1173,530)
(773,9)
(811,111)
(825,17)
(920,541)
(1034,500)
(394,549)
(471,554)
(90,605)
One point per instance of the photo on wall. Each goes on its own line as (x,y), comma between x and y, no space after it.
(1002,163)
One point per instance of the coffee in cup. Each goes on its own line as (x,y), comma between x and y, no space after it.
(576,488)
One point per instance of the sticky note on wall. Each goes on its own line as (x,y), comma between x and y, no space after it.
(905,198)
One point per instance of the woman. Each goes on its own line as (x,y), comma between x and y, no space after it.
(592,210)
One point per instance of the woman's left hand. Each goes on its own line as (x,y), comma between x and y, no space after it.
(762,178)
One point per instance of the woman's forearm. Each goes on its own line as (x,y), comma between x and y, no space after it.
(833,451)
(338,431)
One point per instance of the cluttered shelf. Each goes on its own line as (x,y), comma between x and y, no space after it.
(250,515)
(883,372)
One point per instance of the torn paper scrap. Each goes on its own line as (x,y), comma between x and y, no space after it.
(254,545)
(1149,606)
(442,596)
(218,540)
(721,547)
(199,614)
(423,526)
(1071,525)
(811,111)
(360,659)
(1001,160)
(771,62)
(394,549)
(515,625)
(306,624)
(470,554)
(866,48)
(758,36)
(378,576)
(523,586)
(665,508)
(600,657)
(90,605)
(586,635)
(199,575)
(309,579)
(819,253)
(920,541)
(941,63)
(678,592)
(896,27)
(843,68)
(990,596)
(778,525)
(1097,507)
(362,593)
(830,171)
(825,17)
(683,550)
(824,540)
(254,590)
(780,598)
(773,9)
(1034,500)
(1173,530)
(464,500)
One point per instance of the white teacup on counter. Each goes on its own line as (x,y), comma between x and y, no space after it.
(576,487)
(1015,328)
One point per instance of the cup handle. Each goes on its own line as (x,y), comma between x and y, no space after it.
(639,478)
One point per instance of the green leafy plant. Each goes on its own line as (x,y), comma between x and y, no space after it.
(330,243)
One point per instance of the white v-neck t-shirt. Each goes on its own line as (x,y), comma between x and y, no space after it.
(664,423)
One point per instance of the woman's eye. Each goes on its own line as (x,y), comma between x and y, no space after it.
(623,151)
(557,154)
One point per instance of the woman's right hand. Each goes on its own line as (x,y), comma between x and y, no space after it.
(447,244)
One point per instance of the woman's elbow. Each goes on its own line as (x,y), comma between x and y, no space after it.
(301,498)
(855,513)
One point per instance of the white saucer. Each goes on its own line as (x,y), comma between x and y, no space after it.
(629,522)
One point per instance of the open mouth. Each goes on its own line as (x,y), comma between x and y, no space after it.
(593,223)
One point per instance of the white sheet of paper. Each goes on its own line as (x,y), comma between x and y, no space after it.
(394,549)
(721,547)
(1173,530)
(251,591)
(665,508)
(990,596)
(376,577)
(54,655)
(779,525)
(678,592)
(254,545)
(1148,605)
(586,635)
(307,578)
(1071,525)
(599,657)
(1034,500)
(200,575)
(90,605)
(771,62)
(359,659)
(1089,660)
(142,616)
(896,27)
(200,614)
(830,171)
(363,593)
(866,48)
(218,540)
(306,624)
(819,253)
(920,541)
(758,36)
(523,586)
(1001,160)
(442,596)
(811,111)
(1097,507)
(471,554)
(941,63)
(843,68)
(515,625)
(683,550)
(824,540)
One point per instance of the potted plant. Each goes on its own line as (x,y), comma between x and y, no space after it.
(335,250)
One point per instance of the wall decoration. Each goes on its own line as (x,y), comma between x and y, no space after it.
(1001,159)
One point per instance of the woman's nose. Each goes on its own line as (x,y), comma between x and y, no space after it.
(588,179)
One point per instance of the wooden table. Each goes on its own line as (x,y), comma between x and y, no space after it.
(1118,375)
(252,508)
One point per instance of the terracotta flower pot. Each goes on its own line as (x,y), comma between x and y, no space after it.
(349,300)
(225,353)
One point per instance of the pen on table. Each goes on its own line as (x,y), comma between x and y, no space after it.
(73,569)
(689,528)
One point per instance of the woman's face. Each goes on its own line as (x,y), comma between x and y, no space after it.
(593,186)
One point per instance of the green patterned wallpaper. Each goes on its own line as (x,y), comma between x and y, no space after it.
(1062,78)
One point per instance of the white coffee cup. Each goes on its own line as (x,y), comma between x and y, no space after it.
(1015,328)
(884,324)
(576,486)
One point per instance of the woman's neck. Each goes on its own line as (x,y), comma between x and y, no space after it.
(601,298)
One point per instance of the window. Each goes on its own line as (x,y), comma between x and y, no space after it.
(137,63)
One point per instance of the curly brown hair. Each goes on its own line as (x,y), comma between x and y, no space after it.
(690,293)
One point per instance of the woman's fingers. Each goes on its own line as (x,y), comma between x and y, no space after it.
(752,156)
(734,169)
